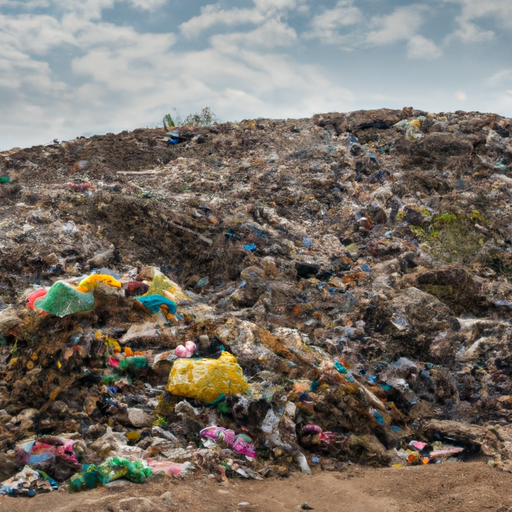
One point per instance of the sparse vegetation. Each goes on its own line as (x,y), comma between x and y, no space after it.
(204,118)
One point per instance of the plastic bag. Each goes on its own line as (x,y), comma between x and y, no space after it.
(162,285)
(91,282)
(28,482)
(206,379)
(63,299)
(37,294)
(112,469)
(155,302)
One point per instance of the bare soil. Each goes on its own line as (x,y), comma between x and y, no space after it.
(447,487)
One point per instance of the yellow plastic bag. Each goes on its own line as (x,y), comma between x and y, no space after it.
(162,285)
(207,379)
(93,281)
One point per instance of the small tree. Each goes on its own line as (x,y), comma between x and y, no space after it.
(205,118)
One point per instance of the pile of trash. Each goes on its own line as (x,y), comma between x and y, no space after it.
(255,298)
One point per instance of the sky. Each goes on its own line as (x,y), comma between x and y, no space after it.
(83,67)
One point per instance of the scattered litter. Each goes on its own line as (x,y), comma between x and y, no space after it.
(255,299)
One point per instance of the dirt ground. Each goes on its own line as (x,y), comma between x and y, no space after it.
(448,487)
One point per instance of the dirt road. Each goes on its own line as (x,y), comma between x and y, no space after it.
(448,487)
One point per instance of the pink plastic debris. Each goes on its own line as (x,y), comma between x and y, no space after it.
(112,361)
(446,452)
(170,468)
(185,351)
(36,295)
(180,351)
(418,445)
(191,347)
(231,439)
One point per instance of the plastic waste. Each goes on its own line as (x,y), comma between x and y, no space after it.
(239,442)
(135,288)
(112,469)
(257,231)
(63,299)
(201,283)
(162,285)
(312,428)
(155,302)
(445,452)
(206,379)
(34,296)
(170,468)
(174,137)
(48,447)
(28,482)
(341,369)
(5,179)
(185,351)
(133,363)
(411,128)
(418,445)
(93,281)
(316,433)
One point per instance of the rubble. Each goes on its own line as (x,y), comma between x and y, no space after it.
(257,297)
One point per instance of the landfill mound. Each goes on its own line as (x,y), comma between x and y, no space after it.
(255,298)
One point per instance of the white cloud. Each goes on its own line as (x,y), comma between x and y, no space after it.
(326,26)
(269,35)
(277,5)
(503,76)
(130,66)
(402,24)
(470,33)
(148,5)
(45,32)
(243,68)
(129,77)
(213,15)
(420,47)
(87,9)
(500,11)
(347,26)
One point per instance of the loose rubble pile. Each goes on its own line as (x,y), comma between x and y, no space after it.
(256,298)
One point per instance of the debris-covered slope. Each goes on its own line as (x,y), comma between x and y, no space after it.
(356,265)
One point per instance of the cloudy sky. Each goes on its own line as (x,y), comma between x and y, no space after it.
(79,67)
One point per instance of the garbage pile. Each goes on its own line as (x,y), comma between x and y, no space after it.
(255,298)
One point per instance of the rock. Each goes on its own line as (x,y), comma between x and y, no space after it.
(167,497)
(422,312)
(8,319)
(101,259)
(138,418)
(204,342)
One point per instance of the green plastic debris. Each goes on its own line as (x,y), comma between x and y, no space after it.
(132,363)
(63,299)
(5,179)
(159,284)
(162,285)
(93,475)
(110,379)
